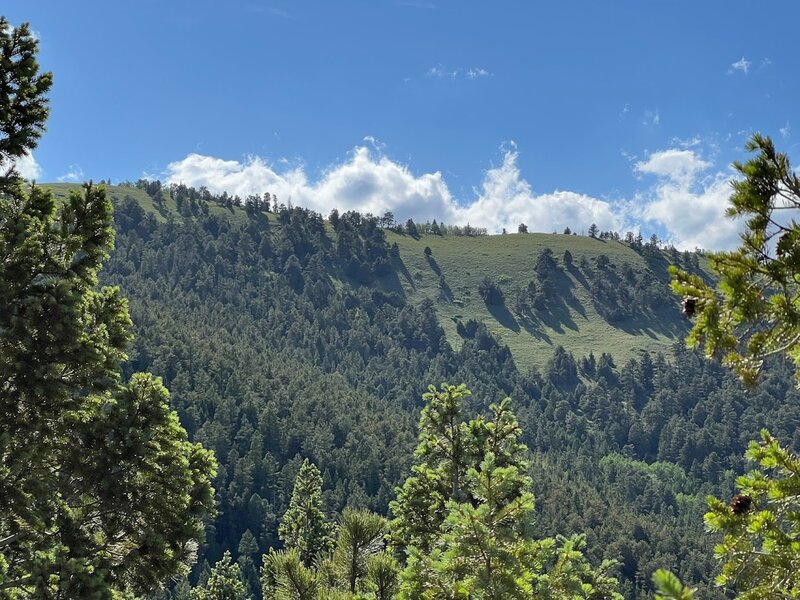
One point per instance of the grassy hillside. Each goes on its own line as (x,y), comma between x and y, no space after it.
(509,260)
(460,263)
(162,211)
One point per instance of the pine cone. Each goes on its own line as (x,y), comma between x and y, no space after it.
(741,504)
(689,305)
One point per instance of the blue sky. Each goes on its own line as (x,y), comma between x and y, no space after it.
(557,114)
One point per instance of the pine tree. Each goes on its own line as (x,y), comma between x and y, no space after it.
(285,577)
(23,102)
(224,583)
(100,491)
(754,311)
(304,527)
(760,548)
(382,575)
(464,518)
(360,535)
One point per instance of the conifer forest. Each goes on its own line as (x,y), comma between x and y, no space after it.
(212,397)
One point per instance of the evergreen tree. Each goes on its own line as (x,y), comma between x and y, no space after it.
(304,527)
(760,549)
(757,281)
(751,314)
(360,535)
(382,575)
(285,577)
(224,583)
(476,539)
(23,101)
(100,491)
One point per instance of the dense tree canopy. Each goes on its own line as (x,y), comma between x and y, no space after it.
(100,490)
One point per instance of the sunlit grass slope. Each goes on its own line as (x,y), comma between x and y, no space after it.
(509,260)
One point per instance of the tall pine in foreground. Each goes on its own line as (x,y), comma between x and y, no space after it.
(464,518)
(101,493)
(753,313)
(304,527)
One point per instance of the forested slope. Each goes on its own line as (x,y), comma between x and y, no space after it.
(282,337)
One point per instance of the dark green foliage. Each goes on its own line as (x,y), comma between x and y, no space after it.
(620,294)
(411,228)
(125,511)
(224,583)
(267,376)
(23,101)
(490,292)
(304,527)
(464,518)
(101,494)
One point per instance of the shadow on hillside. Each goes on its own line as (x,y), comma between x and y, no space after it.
(434,265)
(565,284)
(445,293)
(557,316)
(400,267)
(651,324)
(579,277)
(503,316)
(531,325)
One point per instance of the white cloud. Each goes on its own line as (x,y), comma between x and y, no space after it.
(742,65)
(477,73)
(441,72)
(786,130)
(685,205)
(506,199)
(74,173)
(27,167)
(680,166)
(688,204)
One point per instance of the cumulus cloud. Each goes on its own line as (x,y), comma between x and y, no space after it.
(685,203)
(742,65)
(373,183)
(506,199)
(680,166)
(27,167)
